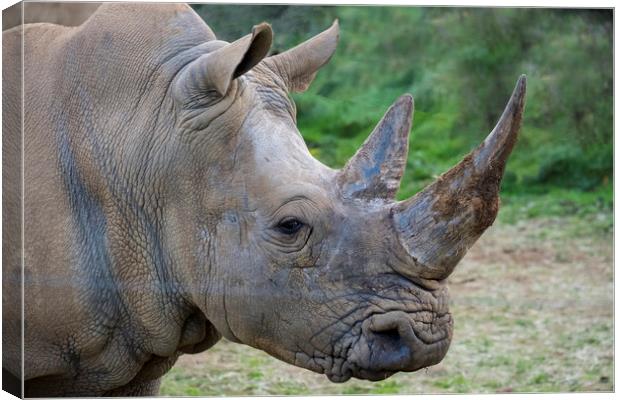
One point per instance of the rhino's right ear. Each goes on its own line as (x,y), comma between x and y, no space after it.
(216,70)
(299,65)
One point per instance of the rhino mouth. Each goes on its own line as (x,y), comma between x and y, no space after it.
(392,325)
(398,341)
(383,344)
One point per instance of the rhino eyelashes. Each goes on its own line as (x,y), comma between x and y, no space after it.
(289,226)
(289,236)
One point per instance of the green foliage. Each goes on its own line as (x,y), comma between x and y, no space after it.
(594,208)
(461,65)
(573,167)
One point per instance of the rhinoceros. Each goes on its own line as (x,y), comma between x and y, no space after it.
(169,200)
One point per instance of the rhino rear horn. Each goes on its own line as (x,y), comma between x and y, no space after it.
(298,66)
(438,225)
(218,68)
(374,172)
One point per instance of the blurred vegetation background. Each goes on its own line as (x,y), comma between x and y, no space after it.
(461,65)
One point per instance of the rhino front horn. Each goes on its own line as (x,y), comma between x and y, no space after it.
(438,225)
(374,172)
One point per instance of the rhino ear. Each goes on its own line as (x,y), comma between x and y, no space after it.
(299,65)
(217,69)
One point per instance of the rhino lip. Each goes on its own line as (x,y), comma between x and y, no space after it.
(396,341)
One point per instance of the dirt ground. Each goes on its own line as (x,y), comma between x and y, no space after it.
(533,311)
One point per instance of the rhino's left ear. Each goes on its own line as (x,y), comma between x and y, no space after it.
(217,69)
(299,65)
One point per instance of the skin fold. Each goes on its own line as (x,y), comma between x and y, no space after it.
(170,200)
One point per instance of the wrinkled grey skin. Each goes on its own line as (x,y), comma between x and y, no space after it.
(170,200)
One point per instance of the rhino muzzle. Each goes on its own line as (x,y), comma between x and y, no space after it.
(399,341)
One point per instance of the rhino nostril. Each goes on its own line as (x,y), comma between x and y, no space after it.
(393,325)
(389,350)
(390,335)
(390,343)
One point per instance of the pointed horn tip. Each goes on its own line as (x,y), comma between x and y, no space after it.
(517,100)
(500,142)
(406,98)
(404,102)
(520,87)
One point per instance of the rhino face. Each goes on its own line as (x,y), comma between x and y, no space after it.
(322,268)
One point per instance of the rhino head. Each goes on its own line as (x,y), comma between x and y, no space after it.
(319,267)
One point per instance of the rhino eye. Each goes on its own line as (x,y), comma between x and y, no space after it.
(289,226)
